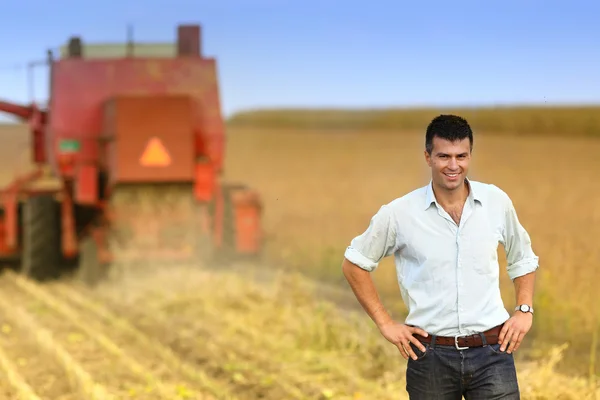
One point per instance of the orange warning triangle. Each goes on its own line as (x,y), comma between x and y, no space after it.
(155,154)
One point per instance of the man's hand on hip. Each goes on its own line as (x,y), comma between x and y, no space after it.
(402,335)
(514,331)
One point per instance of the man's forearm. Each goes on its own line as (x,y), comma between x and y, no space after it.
(524,286)
(364,289)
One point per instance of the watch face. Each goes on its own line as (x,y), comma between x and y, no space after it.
(524,308)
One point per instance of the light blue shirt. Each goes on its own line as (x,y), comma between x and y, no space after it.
(448,274)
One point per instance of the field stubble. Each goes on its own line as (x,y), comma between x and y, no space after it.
(321,188)
(157,336)
(186,333)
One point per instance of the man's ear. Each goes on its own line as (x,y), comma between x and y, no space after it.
(427,158)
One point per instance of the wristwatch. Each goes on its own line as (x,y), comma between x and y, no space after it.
(524,308)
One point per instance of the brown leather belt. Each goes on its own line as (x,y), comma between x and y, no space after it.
(463,342)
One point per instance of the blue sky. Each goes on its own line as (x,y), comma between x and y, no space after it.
(278,53)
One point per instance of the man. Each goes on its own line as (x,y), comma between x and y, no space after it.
(458,338)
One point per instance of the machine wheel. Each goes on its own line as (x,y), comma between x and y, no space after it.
(229,231)
(226,253)
(91,270)
(41,238)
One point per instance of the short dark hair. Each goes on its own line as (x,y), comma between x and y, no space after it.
(449,127)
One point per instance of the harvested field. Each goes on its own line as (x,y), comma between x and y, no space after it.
(189,333)
(265,332)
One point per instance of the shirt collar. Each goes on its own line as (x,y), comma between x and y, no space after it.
(430,198)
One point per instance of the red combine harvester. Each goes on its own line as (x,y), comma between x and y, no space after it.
(129,158)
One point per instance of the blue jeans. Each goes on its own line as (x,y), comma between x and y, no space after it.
(446,373)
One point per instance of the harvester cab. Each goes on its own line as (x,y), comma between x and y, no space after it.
(133,142)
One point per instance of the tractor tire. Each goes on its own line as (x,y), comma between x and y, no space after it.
(91,270)
(42,258)
(226,253)
(229,231)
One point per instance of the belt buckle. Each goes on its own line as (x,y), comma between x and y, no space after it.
(456,343)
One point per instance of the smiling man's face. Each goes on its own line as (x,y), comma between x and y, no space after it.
(449,163)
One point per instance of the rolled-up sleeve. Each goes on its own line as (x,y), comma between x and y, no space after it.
(375,243)
(521,259)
